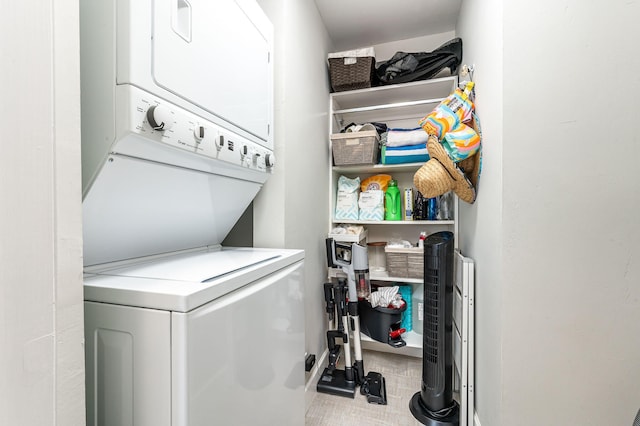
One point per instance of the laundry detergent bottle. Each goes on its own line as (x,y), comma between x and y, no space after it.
(392,202)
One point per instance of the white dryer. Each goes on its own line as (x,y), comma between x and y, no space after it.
(177,125)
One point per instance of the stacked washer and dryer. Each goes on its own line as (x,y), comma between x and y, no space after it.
(177,140)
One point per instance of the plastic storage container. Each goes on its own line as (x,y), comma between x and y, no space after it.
(407,316)
(380,323)
(405,262)
(355,148)
(417,303)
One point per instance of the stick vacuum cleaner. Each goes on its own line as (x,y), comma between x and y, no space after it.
(434,404)
(342,296)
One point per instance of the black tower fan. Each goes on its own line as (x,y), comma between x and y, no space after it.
(434,404)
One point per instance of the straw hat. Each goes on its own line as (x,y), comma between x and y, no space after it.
(440,174)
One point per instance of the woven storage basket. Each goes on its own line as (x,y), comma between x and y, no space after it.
(355,148)
(351,76)
(405,262)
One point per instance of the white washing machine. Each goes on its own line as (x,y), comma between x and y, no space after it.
(177,125)
(168,343)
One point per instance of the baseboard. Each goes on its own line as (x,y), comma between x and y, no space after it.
(310,386)
(476,419)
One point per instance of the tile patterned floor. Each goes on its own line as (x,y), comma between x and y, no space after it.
(402,375)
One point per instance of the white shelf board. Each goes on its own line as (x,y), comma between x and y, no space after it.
(384,276)
(413,347)
(399,104)
(399,94)
(349,238)
(376,276)
(406,116)
(378,168)
(396,222)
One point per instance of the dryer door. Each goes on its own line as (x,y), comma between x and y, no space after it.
(217,55)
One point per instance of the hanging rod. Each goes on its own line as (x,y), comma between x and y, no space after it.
(388,106)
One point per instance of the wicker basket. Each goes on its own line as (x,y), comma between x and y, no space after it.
(350,75)
(405,262)
(355,148)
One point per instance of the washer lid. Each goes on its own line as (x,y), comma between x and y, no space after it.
(198,267)
(182,282)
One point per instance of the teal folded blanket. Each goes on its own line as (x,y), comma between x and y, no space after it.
(405,154)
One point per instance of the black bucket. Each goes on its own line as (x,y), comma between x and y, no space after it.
(380,323)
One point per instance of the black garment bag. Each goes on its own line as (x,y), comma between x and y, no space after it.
(404,67)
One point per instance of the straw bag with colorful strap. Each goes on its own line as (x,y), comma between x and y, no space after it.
(447,123)
(454,147)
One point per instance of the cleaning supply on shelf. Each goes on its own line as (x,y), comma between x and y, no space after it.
(419,206)
(432,208)
(445,206)
(371,205)
(393,202)
(347,198)
(406,318)
(408,204)
(423,236)
(380,182)
(417,303)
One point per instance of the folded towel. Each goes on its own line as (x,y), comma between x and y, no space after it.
(384,296)
(404,137)
(405,154)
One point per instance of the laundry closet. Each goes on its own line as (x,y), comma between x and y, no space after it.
(553,232)
(505,43)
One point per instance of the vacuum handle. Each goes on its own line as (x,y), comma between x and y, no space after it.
(341,297)
(329,300)
(329,244)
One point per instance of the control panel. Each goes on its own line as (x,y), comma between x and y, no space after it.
(159,120)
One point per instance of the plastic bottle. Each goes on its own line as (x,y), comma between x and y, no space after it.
(432,208)
(392,202)
(417,308)
(444,206)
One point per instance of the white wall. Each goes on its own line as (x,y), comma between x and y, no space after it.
(554,231)
(291,210)
(480,27)
(571,196)
(41,323)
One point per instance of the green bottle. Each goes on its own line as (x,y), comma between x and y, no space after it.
(392,202)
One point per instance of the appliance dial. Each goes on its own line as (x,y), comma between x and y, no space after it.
(159,117)
(198,132)
(270,160)
(220,142)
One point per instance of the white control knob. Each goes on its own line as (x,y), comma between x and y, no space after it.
(198,132)
(270,160)
(220,143)
(159,117)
